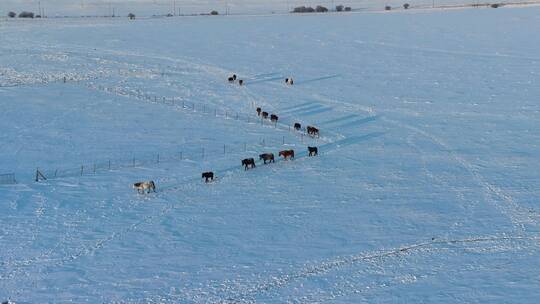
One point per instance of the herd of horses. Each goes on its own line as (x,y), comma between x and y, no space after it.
(248,163)
(310,130)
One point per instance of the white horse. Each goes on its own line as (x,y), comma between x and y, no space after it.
(144,186)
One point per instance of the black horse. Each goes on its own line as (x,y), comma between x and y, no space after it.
(274,118)
(258,111)
(297,126)
(267,157)
(208,176)
(264,115)
(248,163)
(313,151)
(312,131)
(240,82)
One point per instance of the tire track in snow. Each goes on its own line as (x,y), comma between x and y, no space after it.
(518,215)
(394,277)
(276,282)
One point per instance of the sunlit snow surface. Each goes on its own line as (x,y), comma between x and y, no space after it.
(426,187)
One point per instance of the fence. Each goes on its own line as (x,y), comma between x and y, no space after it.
(7,179)
(148,159)
(180,103)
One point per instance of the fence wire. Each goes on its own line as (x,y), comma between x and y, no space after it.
(152,159)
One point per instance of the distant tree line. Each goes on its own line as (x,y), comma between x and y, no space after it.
(23,15)
(319,9)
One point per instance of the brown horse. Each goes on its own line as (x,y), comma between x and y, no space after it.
(248,163)
(258,111)
(208,176)
(264,115)
(287,154)
(274,118)
(312,131)
(297,126)
(313,151)
(267,157)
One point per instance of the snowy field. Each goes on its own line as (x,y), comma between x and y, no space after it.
(425,190)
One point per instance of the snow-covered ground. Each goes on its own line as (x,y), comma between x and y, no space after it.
(425,189)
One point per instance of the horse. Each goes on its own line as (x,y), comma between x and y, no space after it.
(267,157)
(297,126)
(208,176)
(234,76)
(240,82)
(248,163)
(287,154)
(231,79)
(258,111)
(289,81)
(143,186)
(312,131)
(313,151)
(264,115)
(274,118)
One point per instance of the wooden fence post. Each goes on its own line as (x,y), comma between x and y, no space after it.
(82,170)
(39,175)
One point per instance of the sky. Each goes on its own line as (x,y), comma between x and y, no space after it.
(159,7)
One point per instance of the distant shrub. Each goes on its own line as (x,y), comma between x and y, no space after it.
(26,15)
(214,13)
(406,6)
(131,16)
(321,9)
(495,5)
(303,9)
(339,8)
(387,8)
(12,14)
(169,15)
(348,9)
(38,16)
